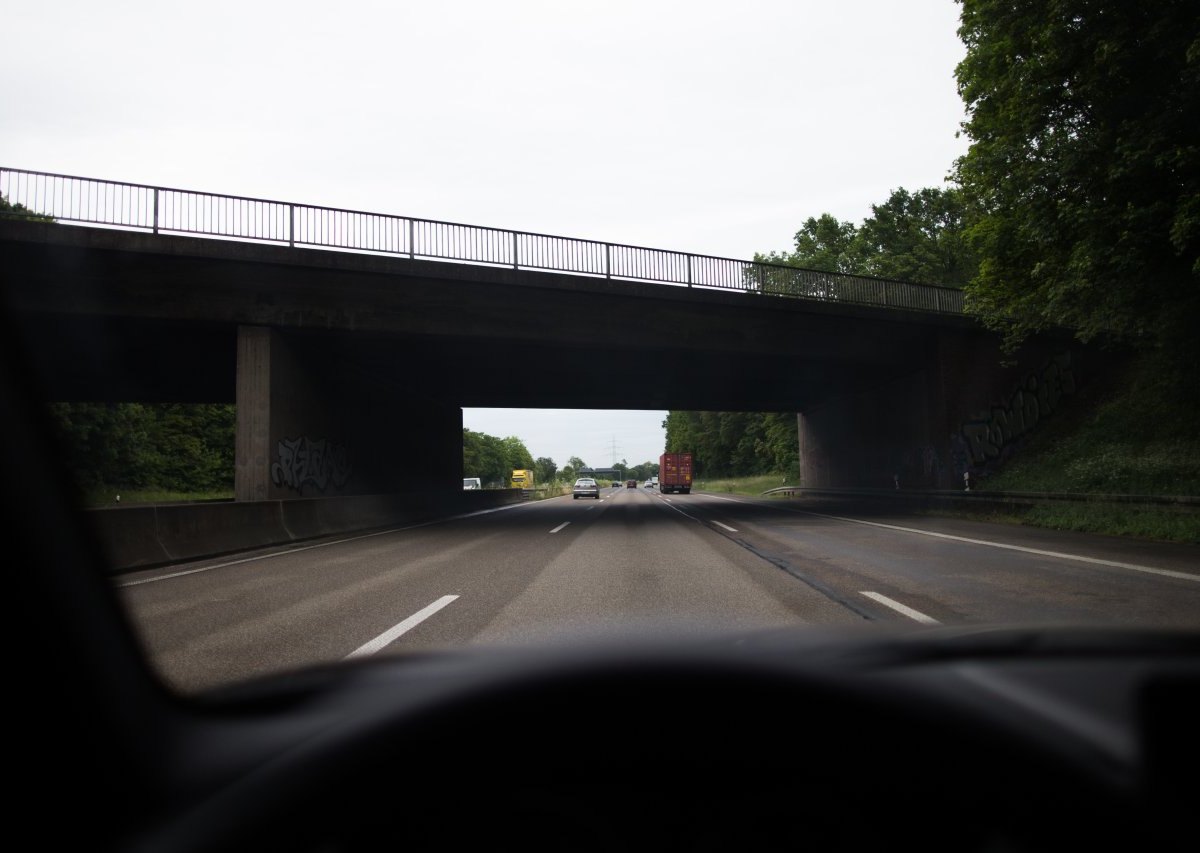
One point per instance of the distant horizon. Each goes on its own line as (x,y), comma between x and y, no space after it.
(600,437)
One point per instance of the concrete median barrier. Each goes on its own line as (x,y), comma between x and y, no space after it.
(145,536)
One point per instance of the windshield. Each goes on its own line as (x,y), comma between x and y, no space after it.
(929,363)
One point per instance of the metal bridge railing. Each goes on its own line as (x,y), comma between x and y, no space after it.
(68,199)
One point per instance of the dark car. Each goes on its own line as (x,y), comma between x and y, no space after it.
(631,484)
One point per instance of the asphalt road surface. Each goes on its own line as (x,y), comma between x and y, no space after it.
(635,562)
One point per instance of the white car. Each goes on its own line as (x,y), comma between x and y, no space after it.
(585,487)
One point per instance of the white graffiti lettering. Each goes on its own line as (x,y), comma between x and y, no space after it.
(307,461)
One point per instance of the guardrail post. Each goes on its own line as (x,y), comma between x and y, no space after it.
(156,210)
(608,260)
(292,225)
(937,301)
(689,269)
(412,242)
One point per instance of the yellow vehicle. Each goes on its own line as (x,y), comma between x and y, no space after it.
(522,478)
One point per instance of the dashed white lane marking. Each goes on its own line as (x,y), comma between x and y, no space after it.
(228,563)
(901,608)
(396,630)
(1059,554)
(560,527)
(724,526)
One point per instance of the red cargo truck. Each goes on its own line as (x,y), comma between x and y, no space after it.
(675,473)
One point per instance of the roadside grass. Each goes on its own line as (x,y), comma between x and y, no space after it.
(101,496)
(755,485)
(1164,524)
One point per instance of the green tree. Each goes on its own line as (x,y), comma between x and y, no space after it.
(1084,166)
(20,211)
(644,470)
(571,469)
(823,243)
(735,443)
(917,237)
(913,236)
(484,457)
(544,469)
(170,446)
(516,454)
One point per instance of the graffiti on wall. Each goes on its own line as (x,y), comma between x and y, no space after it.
(983,439)
(307,461)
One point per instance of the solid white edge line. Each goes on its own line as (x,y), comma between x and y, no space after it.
(901,608)
(681,512)
(396,630)
(1134,567)
(1170,573)
(725,526)
(318,545)
(560,527)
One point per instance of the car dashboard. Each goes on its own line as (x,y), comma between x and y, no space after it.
(956,740)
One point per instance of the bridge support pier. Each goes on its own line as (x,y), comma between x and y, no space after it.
(964,410)
(312,423)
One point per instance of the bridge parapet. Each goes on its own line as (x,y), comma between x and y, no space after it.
(163,210)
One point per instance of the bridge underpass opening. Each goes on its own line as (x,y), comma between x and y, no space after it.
(560,445)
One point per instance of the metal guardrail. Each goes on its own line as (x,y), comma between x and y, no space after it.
(980,496)
(162,210)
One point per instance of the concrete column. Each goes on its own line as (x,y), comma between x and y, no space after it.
(312,423)
(813,470)
(252,448)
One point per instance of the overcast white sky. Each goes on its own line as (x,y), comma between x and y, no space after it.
(708,127)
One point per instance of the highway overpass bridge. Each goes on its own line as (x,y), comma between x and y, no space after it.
(351,341)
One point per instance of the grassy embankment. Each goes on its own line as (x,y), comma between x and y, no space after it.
(1135,434)
(102,497)
(741,485)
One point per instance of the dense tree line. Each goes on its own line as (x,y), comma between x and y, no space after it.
(1083,172)
(1077,204)
(20,211)
(913,236)
(725,444)
(170,446)
(493,459)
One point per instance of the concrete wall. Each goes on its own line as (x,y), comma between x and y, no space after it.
(965,410)
(140,537)
(311,424)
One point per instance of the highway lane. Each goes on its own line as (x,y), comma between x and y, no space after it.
(956,571)
(636,561)
(518,576)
